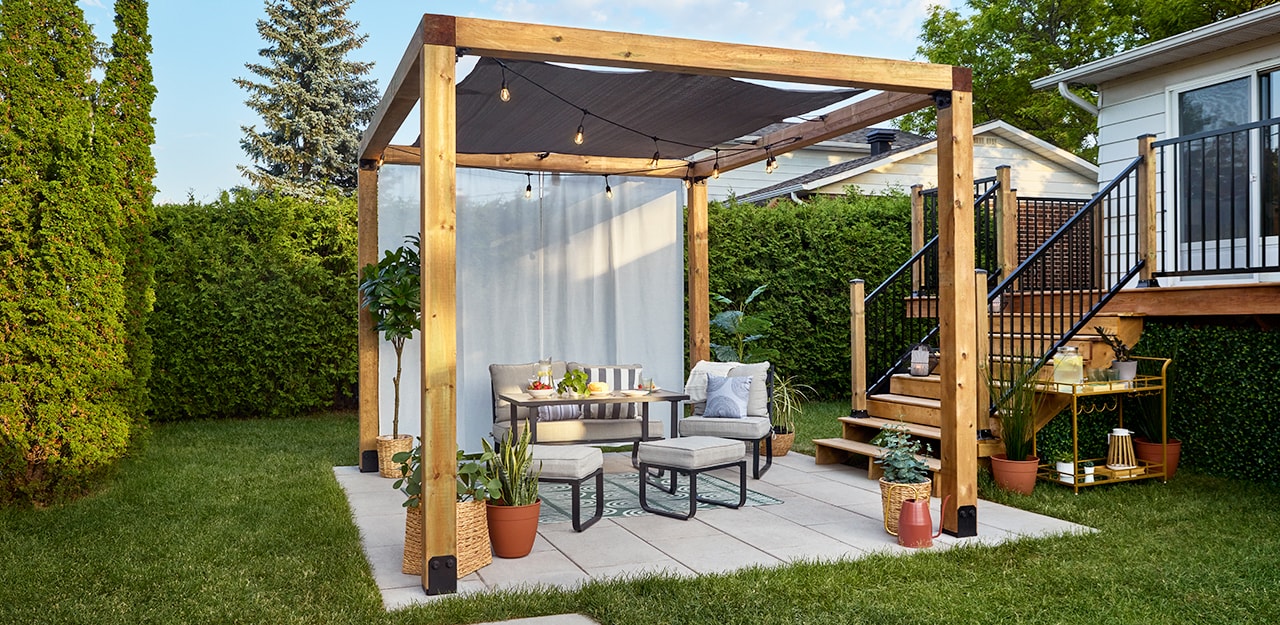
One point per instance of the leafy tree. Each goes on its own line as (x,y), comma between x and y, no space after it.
(126,96)
(64,410)
(312,100)
(1166,18)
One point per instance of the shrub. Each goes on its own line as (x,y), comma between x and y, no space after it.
(255,311)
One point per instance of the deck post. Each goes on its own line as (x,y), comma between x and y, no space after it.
(917,235)
(982,327)
(367,346)
(1006,222)
(698,285)
(1146,217)
(438,180)
(858,347)
(956,301)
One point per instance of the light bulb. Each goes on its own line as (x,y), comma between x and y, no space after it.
(528,191)
(578,138)
(770,165)
(608,191)
(654,163)
(505,94)
(688,184)
(715,171)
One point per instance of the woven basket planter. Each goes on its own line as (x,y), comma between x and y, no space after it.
(389,447)
(892,494)
(781,443)
(472,535)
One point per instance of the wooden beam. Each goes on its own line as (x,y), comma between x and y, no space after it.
(698,284)
(439,318)
(1146,229)
(1260,299)
(1006,222)
(858,345)
(535,42)
(956,302)
(400,97)
(982,333)
(877,108)
(367,346)
(562,163)
(917,235)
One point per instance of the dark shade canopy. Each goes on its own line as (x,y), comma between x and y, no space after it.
(697,111)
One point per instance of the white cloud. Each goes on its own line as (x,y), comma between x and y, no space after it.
(97,4)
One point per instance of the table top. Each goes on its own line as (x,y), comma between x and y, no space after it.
(614,397)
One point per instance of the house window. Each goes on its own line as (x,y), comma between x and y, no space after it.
(1216,168)
(1269,90)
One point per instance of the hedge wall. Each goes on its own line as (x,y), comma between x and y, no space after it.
(255,312)
(807,254)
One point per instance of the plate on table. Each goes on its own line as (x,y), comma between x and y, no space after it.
(635,392)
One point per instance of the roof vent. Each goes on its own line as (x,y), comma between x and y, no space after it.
(881,140)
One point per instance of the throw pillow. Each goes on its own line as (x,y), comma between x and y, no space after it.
(559,413)
(727,397)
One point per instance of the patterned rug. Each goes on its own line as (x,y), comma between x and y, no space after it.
(622,497)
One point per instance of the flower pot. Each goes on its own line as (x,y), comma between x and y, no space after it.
(1149,450)
(512,529)
(1125,369)
(388,447)
(781,443)
(1066,472)
(472,536)
(892,494)
(1088,474)
(1018,476)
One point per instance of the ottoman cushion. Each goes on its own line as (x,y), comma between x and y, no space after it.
(746,428)
(567,462)
(691,452)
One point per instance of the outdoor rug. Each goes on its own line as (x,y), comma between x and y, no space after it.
(622,497)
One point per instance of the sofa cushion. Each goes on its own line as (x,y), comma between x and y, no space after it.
(566,462)
(587,430)
(749,428)
(758,398)
(693,452)
(618,377)
(514,379)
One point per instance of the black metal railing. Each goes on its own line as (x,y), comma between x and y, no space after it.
(1065,281)
(986,246)
(1219,201)
(901,312)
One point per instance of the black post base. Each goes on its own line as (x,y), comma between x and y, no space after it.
(442,575)
(966,522)
(369,461)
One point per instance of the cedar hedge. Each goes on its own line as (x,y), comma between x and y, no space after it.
(255,312)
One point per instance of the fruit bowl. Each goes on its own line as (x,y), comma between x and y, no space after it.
(541,393)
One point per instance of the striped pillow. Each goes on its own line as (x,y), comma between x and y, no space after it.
(618,377)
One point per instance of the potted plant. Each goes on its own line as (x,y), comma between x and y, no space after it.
(513,509)
(1064,463)
(905,475)
(1014,398)
(1087,468)
(390,291)
(1151,443)
(573,384)
(475,482)
(1125,366)
(788,397)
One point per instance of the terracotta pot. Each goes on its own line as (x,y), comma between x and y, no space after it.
(1149,450)
(1018,476)
(512,529)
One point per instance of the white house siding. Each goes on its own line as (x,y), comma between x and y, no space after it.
(744,180)
(1138,104)
(1032,174)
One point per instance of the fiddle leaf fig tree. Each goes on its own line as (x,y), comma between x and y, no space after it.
(742,330)
(391,291)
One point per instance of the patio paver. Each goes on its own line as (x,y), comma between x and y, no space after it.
(828,512)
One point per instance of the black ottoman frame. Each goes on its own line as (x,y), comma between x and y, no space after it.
(693,487)
(576,489)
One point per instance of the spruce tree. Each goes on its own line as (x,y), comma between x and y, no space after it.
(125,98)
(313,102)
(63,416)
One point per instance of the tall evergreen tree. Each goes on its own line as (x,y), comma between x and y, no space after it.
(63,415)
(126,96)
(313,101)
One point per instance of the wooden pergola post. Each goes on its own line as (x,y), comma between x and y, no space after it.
(1006,222)
(858,346)
(698,279)
(439,317)
(1146,217)
(367,347)
(956,301)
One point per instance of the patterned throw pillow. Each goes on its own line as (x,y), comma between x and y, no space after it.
(727,397)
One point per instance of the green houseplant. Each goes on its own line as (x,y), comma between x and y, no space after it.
(788,398)
(513,509)
(474,483)
(573,384)
(1124,364)
(906,476)
(1016,401)
(742,330)
(391,291)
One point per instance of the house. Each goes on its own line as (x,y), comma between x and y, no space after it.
(1039,169)
(850,146)
(1209,98)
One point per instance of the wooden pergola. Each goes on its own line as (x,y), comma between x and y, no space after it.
(426,76)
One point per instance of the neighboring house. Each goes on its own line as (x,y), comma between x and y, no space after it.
(841,149)
(1038,168)
(1211,98)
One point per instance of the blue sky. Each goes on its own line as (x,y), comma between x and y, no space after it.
(200,46)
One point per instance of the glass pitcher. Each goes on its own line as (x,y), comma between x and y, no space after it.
(1068,366)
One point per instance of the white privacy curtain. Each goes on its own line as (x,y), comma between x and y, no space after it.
(568,274)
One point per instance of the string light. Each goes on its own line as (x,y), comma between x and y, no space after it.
(580,137)
(608,190)
(528,188)
(771,163)
(653,164)
(688,184)
(505,93)
(715,169)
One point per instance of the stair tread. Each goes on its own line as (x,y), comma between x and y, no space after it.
(894,398)
(915,429)
(867,449)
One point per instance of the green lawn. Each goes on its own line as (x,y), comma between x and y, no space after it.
(242,522)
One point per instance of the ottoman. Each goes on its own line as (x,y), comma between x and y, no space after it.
(691,455)
(573,465)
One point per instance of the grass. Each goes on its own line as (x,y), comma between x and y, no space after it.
(243,522)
